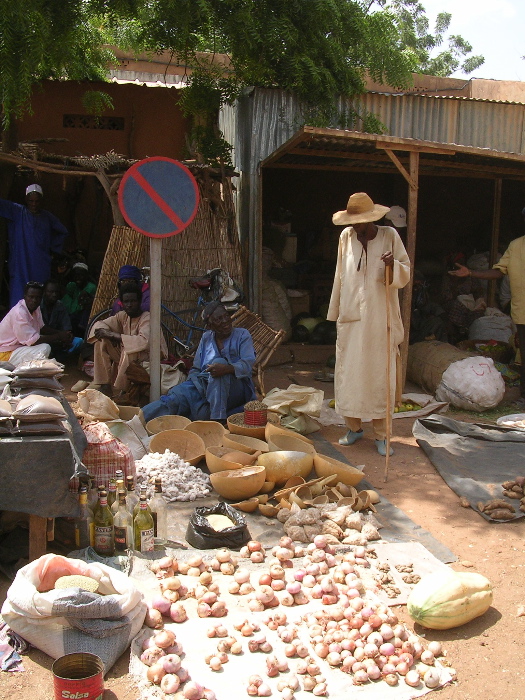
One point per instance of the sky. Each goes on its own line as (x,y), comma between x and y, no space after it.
(496,30)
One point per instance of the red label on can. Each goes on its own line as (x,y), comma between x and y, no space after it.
(79,689)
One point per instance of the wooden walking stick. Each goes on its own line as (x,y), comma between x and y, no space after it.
(388,273)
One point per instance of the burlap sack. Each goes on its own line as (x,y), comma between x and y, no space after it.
(428,360)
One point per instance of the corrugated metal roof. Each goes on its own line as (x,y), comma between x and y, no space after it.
(127,77)
(443,97)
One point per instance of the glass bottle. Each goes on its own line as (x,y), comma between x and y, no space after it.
(84,527)
(123,524)
(92,493)
(120,487)
(100,488)
(131,497)
(159,511)
(103,522)
(119,474)
(112,491)
(143,492)
(143,528)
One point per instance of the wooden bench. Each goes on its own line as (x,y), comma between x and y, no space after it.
(265,341)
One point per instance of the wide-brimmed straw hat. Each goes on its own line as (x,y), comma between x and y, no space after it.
(359,210)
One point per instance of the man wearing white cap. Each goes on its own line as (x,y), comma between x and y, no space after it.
(358,305)
(34,234)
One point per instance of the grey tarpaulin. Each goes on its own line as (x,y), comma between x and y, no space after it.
(35,471)
(396,526)
(473,458)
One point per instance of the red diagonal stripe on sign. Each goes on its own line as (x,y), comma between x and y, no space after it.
(155,196)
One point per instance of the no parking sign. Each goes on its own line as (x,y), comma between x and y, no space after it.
(158,197)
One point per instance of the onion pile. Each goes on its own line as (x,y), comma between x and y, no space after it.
(224,562)
(253,551)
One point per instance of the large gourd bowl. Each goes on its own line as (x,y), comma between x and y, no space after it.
(211,432)
(186,444)
(239,484)
(282,465)
(272,429)
(244,444)
(326,466)
(215,459)
(161,423)
(287,443)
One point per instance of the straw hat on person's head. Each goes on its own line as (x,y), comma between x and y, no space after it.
(359,210)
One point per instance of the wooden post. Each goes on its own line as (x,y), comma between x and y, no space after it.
(37,536)
(496,211)
(155,253)
(406,301)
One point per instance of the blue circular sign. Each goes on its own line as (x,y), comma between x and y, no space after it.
(158,197)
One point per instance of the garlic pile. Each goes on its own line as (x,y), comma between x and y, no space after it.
(180,480)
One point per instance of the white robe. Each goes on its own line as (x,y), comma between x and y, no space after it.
(358,304)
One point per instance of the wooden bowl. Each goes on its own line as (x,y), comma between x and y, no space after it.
(258,432)
(186,444)
(244,443)
(280,443)
(210,431)
(128,412)
(157,425)
(239,484)
(276,429)
(280,466)
(325,466)
(216,462)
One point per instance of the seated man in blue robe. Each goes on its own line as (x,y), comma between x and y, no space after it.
(220,381)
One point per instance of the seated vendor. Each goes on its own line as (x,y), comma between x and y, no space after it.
(131,273)
(55,315)
(23,335)
(120,340)
(220,381)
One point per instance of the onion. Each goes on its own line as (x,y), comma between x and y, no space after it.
(227,568)
(183,674)
(277,584)
(265,580)
(265,594)
(257,557)
(219,609)
(241,576)
(264,690)
(276,571)
(193,691)
(255,605)
(386,632)
(387,649)
(152,655)
(431,678)
(171,596)
(413,679)
(171,663)
(254,546)
(175,649)
(233,587)
(308,581)
(164,639)
(427,657)
(153,618)
(293,587)
(155,673)
(208,597)
(286,541)
(223,556)
(283,553)
(246,588)
(391,679)
(171,584)
(286,598)
(402,668)
(360,677)
(178,612)
(203,610)
(170,683)
(435,648)
(161,604)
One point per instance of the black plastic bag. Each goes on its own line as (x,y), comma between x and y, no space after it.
(201,535)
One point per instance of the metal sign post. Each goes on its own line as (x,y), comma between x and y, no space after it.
(158,197)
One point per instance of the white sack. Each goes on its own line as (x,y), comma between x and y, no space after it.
(70,620)
(473,384)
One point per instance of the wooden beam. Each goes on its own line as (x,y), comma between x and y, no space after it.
(399,165)
(496,215)
(406,300)
(409,148)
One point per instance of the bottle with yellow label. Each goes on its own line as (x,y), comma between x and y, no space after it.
(104,533)
(143,528)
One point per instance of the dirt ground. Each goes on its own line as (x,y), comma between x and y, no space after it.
(486,653)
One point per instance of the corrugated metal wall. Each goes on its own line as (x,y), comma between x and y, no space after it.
(262,120)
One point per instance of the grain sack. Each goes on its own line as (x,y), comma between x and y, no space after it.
(473,384)
(428,360)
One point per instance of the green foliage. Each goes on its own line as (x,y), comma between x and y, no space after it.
(96,101)
(417,37)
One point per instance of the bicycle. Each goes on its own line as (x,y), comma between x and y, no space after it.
(211,287)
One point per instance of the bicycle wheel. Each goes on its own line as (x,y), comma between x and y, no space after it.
(101,316)
(185,328)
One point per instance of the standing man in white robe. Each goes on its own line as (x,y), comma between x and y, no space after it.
(358,305)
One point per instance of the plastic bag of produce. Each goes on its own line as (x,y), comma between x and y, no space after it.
(68,620)
(202,535)
(473,384)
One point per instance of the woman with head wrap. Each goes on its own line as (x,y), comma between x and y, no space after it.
(131,273)
(220,381)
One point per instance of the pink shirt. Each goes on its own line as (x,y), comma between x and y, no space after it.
(19,327)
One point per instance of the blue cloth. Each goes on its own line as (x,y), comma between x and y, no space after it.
(202,397)
(32,239)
